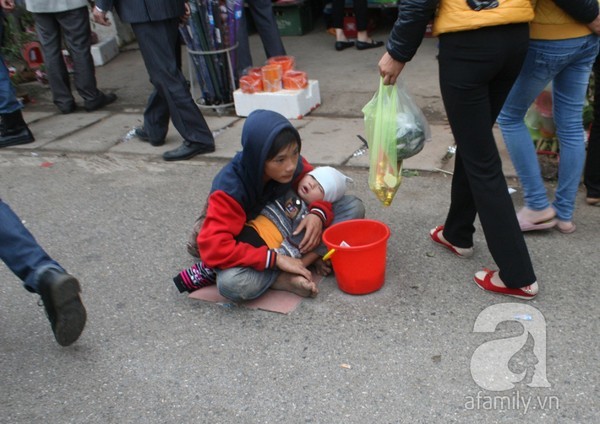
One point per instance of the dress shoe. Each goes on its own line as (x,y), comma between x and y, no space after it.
(188,150)
(65,110)
(103,100)
(141,133)
(342,45)
(14,130)
(364,45)
(66,313)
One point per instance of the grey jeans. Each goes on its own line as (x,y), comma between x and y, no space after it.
(74,25)
(242,283)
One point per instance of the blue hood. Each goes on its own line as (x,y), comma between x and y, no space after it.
(242,178)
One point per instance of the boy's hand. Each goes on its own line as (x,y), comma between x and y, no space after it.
(293,266)
(313,227)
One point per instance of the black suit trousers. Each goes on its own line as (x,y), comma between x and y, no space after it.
(171,97)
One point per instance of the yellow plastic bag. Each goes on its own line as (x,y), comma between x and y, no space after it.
(396,130)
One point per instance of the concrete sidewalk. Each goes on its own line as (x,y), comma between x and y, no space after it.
(347,81)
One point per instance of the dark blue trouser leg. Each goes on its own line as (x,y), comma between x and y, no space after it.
(20,251)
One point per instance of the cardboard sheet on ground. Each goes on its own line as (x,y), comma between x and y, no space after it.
(279,301)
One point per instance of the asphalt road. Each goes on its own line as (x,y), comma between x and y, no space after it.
(405,354)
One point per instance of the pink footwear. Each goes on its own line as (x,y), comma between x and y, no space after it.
(527,225)
(484,280)
(461,252)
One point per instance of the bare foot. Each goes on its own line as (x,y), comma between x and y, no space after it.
(322,267)
(566,227)
(295,284)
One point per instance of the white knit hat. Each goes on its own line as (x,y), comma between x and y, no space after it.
(332,181)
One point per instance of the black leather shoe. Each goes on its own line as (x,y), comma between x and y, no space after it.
(23,136)
(60,295)
(103,100)
(363,45)
(141,133)
(342,45)
(14,130)
(188,150)
(68,109)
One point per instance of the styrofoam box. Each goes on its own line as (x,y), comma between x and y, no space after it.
(105,50)
(293,104)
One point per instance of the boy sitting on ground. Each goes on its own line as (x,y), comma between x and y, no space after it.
(275,226)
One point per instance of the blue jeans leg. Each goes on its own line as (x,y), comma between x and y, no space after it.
(348,207)
(569,90)
(8,98)
(567,63)
(20,251)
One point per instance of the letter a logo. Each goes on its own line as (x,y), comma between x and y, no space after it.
(489,363)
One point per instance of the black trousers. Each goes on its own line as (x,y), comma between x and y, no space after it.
(266,26)
(477,70)
(591,174)
(171,98)
(360,13)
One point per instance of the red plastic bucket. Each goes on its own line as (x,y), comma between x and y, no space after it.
(360,266)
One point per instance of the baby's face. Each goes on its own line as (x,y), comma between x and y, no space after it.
(310,190)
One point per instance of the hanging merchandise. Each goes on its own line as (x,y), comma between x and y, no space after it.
(210,36)
(396,129)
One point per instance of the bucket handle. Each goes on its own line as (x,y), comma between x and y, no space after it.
(332,251)
(328,254)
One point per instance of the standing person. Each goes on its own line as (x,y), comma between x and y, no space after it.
(13,129)
(266,26)
(363,41)
(562,51)
(42,275)
(482,45)
(591,174)
(156,27)
(69,19)
(268,166)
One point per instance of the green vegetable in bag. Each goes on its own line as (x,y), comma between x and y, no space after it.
(412,129)
(396,129)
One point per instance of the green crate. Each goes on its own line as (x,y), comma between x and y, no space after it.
(294,18)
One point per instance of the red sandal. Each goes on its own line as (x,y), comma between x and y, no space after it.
(485,283)
(461,252)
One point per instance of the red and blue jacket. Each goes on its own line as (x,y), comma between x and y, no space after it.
(238,194)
